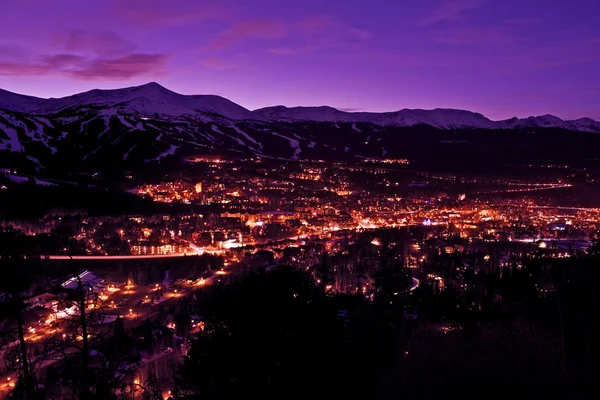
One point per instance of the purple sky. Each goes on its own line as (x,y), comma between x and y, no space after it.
(502,58)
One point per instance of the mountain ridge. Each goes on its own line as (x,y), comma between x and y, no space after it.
(131,128)
(153,98)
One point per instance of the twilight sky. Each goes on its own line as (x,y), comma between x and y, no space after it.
(502,58)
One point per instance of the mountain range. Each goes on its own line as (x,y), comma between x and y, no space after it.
(153,98)
(149,123)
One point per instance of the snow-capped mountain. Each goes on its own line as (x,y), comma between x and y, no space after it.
(145,124)
(149,99)
(439,118)
(152,99)
(317,114)
(550,121)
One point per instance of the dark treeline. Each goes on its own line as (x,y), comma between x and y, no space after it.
(30,201)
(528,330)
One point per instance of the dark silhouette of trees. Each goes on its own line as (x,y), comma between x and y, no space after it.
(272,335)
(85,371)
(18,272)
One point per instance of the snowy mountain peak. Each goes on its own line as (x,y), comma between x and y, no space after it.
(152,98)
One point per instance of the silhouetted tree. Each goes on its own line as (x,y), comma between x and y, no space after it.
(17,275)
(271,335)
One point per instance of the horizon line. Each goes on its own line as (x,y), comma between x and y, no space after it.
(345,110)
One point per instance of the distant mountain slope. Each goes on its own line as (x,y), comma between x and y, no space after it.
(152,98)
(149,99)
(439,118)
(132,127)
(550,121)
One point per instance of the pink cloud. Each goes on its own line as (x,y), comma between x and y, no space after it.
(126,67)
(219,63)
(179,12)
(61,60)
(79,67)
(82,55)
(451,10)
(21,69)
(264,29)
(102,43)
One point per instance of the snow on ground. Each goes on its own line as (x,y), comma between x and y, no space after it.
(152,126)
(217,130)
(68,120)
(124,121)
(129,151)
(107,319)
(248,137)
(13,139)
(164,154)
(45,121)
(355,128)
(106,127)
(24,179)
(33,159)
(259,154)
(311,144)
(93,152)
(383,152)
(206,136)
(294,144)
(38,135)
(337,126)
(39,130)
(192,142)
(346,149)
(84,124)
(42,136)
